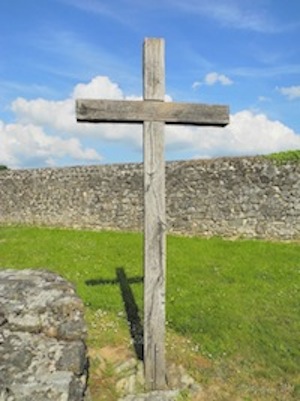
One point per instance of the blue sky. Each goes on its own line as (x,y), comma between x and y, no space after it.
(244,53)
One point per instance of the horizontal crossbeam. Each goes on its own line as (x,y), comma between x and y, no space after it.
(126,111)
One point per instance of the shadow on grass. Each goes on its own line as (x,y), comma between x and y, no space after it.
(131,308)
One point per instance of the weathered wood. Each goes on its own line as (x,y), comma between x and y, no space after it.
(140,111)
(154,256)
(155,224)
(154,113)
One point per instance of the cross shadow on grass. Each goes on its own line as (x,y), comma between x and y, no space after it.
(131,308)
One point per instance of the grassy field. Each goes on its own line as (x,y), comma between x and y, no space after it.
(290,156)
(232,306)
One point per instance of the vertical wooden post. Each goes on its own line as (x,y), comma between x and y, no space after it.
(155,221)
(153,112)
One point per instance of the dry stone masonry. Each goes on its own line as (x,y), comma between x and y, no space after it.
(250,197)
(42,333)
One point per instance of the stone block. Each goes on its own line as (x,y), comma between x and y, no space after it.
(42,357)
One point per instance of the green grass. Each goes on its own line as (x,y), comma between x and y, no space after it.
(236,303)
(280,158)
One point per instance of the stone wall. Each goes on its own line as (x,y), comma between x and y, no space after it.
(42,338)
(231,197)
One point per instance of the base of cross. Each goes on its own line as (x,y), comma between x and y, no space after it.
(178,381)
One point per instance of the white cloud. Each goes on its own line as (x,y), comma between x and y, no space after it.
(59,116)
(292,92)
(247,134)
(46,132)
(264,99)
(213,78)
(99,87)
(28,144)
(196,85)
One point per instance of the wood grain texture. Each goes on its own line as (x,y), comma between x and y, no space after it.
(155,223)
(154,69)
(151,110)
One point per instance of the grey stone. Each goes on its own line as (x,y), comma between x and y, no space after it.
(169,395)
(42,357)
(223,191)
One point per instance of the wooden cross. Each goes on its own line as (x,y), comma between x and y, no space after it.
(153,112)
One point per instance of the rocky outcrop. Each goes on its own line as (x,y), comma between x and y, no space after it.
(42,338)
